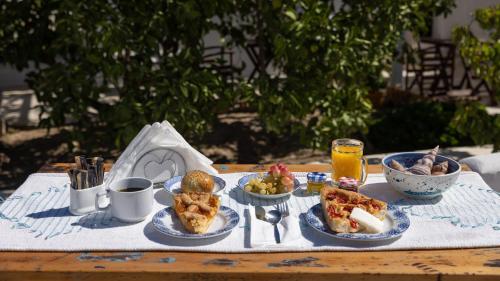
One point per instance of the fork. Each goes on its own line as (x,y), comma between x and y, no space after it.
(283,209)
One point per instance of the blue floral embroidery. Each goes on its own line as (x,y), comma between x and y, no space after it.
(465,206)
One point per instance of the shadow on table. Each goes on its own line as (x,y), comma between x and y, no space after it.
(243,198)
(383,191)
(163,197)
(319,239)
(100,220)
(301,191)
(51,213)
(415,202)
(155,236)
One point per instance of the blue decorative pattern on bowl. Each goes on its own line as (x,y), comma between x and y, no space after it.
(419,186)
(400,223)
(245,179)
(231,220)
(173,185)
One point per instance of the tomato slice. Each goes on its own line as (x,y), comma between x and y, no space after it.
(331,196)
(333,213)
(349,208)
(354,224)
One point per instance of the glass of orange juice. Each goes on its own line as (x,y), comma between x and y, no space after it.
(348,160)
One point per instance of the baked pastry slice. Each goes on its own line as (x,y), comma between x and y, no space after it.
(196,210)
(337,205)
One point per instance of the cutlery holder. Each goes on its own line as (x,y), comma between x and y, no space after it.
(82,201)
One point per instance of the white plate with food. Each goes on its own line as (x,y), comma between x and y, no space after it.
(174,185)
(167,222)
(243,181)
(196,215)
(352,216)
(275,184)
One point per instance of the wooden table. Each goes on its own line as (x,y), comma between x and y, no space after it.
(467,264)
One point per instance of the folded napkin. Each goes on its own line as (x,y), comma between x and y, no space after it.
(262,233)
(158,153)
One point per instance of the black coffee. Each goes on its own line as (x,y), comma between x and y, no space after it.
(130,189)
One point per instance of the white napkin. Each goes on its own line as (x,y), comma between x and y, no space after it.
(262,233)
(158,152)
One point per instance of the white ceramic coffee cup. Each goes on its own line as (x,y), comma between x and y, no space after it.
(132,206)
(82,201)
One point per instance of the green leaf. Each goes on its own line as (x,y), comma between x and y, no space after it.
(291,14)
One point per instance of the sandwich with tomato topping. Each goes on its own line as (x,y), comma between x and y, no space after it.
(337,205)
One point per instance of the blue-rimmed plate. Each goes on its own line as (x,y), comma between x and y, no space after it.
(167,222)
(245,179)
(173,185)
(395,223)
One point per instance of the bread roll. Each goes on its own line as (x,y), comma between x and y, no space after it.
(197,181)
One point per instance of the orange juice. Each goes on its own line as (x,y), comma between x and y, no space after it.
(347,159)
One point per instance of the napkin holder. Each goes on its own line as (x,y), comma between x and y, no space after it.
(158,153)
(159,164)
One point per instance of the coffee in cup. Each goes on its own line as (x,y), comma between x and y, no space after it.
(130,199)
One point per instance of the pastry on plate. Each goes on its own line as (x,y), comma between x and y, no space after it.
(197,181)
(337,205)
(196,210)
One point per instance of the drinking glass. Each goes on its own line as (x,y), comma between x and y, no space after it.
(348,160)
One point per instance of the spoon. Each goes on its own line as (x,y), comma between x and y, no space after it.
(274,217)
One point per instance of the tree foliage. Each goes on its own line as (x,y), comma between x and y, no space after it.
(473,120)
(326,56)
(484,58)
(147,52)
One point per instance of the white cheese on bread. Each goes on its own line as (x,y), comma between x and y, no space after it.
(371,223)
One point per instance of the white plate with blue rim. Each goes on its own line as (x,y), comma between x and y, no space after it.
(395,223)
(167,222)
(173,185)
(245,179)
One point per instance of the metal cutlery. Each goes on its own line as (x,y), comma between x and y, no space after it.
(273,217)
(283,208)
(89,172)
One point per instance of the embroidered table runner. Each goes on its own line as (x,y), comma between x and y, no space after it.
(36,218)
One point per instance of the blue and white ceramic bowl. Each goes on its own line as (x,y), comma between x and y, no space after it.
(245,179)
(419,186)
(167,222)
(173,185)
(395,223)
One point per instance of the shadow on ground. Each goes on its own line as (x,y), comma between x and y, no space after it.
(236,138)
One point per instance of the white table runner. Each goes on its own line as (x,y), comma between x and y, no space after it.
(36,218)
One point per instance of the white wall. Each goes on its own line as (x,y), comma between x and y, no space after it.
(461,15)
(10,78)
